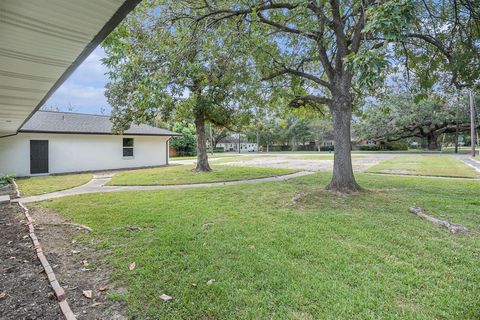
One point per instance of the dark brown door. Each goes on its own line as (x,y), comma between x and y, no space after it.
(38,156)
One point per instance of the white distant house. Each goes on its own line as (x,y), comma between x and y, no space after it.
(230,145)
(59,142)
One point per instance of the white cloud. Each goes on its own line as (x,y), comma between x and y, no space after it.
(84,89)
(85,99)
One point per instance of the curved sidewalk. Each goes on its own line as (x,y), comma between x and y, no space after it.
(97,184)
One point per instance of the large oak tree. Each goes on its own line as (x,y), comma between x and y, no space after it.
(327,53)
(401,116)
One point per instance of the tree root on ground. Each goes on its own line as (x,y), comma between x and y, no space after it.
(451,227)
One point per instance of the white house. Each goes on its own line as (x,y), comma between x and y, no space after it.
(60,142)
(229,145)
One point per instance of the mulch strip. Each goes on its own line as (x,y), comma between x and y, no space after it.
(24,286)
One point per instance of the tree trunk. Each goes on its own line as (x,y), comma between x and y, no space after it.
(432,143)
(202,156)
(343,180)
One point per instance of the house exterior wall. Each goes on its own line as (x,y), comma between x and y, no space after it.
(245,146)
(81,152)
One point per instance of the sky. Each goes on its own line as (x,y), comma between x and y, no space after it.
(83,91)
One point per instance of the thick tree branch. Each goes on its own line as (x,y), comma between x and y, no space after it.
(299,74)
(284,28)
(310,100)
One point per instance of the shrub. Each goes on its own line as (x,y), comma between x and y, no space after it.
(6,178)
(185,145)
(327,148)
(390,146)
(218,150)
(369,147)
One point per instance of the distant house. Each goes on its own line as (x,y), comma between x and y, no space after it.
(230,145)
(59,142)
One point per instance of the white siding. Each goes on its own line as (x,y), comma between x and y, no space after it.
(77,152)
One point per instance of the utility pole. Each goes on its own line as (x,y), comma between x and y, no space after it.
(239,144)
(211,138)
(456,126)
(473,134)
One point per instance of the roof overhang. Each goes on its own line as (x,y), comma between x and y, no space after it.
(41,43)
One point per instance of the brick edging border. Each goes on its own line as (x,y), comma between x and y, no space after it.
(52,279)
(17,189)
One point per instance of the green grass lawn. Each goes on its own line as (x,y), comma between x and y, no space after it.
(210,156)
(322,156)
(184,175)
(442,166)
(461,150)
(323,256)
(40,185)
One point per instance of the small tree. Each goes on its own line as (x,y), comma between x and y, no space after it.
(320,129)
(163,65)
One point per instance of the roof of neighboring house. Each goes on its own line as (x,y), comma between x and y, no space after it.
(225,140)
(79,123)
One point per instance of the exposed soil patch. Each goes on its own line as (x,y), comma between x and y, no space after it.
(78,266)
(290,162)
(25,292)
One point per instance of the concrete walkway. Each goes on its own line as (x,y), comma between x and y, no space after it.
(472,163)
(97,184)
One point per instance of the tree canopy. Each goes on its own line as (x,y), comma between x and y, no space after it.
(329,53)
(320,54)
(402,116)
(162,65)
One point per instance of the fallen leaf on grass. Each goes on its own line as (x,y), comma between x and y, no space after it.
(96,304)
(85,263)
(165,297)
(211,281)
(87,293)
(132,266)
(2,294)
(102,288)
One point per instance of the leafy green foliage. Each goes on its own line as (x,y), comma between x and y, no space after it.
(402,116)
(185,145)
(6,178)
(163,65)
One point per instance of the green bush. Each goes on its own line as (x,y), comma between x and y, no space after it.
(384,146)
(186,144)
(218,150)
(369,147)
(6,178)
(396,145)
(327,148)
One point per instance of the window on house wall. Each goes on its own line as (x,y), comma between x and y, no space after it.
(128,147)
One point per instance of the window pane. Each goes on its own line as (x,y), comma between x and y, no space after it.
(128,152)
(128,142)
